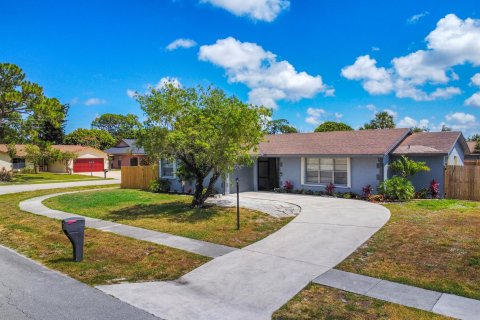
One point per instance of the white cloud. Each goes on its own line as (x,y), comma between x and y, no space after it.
(131,93)
(453,42)
(416,17)
(461,118)
(474,100)
(338,116)
(165,81)
(408,122)
(314,115)
(264,10)
(375,80)
(160,85)
(373,108)
(391,112)
(181,43)
(476,80)
(95,101)
(375,49)
(270,80)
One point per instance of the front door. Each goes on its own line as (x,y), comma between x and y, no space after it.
(267,173)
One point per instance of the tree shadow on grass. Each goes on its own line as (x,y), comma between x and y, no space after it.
(174,211)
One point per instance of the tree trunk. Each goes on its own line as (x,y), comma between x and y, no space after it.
(197,195)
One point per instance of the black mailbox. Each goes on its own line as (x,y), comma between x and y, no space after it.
(74,228)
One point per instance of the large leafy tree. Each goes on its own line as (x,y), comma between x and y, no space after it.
(333,126)
(49,132)
(206,131)
(23,106)
(95,138)
(382,120)
(118,125)
(280,126)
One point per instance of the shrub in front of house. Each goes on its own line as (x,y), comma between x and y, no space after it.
(434,189)
(367,191)
(5,176)
(330,189)
(397,188)
(160,185)
(288,186)
(422,194)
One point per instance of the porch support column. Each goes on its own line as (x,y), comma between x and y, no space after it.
(255,175)
(226,183)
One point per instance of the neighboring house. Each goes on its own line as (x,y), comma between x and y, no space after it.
(350,160)
(474,154)
(126,153)
(88,159)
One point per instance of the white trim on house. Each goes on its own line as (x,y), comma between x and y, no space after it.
(304,172)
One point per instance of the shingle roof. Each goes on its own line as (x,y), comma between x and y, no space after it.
(21,148)
(131,149)
(362,142)
(472,145)
(428,143)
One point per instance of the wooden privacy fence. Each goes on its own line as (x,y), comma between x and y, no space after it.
(463,182)
(138,177)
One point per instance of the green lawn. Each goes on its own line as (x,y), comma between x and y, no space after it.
(109,258)
(45,177)
(434,244)
(319,302)
(171,214)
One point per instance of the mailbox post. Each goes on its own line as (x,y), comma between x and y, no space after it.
(74,229)
(91,167)
(238,206)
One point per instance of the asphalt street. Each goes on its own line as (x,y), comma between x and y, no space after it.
(29,290)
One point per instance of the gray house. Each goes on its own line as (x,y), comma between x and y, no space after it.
(437,149)
(350,160)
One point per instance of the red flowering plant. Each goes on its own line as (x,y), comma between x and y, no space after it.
(367,191)
(434,189)
(330,189)
(288,186)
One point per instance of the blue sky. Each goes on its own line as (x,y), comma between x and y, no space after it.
(312,61)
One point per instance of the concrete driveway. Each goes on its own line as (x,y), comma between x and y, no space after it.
(31,291)
(54,185)
(253,282)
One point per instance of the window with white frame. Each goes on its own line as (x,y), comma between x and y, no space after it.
(323,171)
(167,168)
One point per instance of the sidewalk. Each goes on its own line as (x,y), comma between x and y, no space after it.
(437,302)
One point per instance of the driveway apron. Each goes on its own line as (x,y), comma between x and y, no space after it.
(253,282)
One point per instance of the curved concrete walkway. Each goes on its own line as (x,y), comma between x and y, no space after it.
(212,250)
(253,282)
